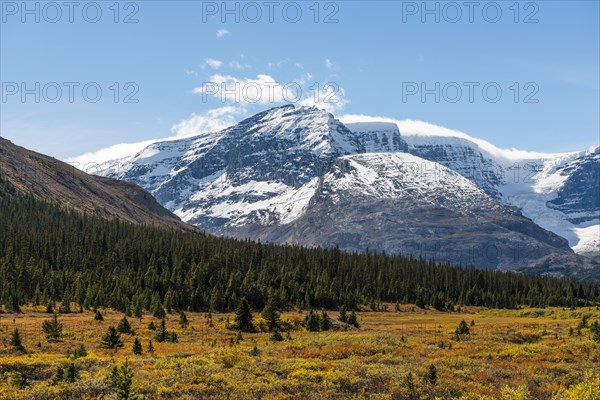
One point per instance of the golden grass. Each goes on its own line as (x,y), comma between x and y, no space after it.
(510,354)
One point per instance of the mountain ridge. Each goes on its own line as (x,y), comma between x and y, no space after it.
(260,178)
(52,180)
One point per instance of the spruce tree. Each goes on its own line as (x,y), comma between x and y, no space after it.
(125,327)
(243,316)
(137,346)
(79,352)
(72,374)
(271,314)
(325,321)
(312,322)
(595,329)
(137,310)
(58,377)
(343,317)
(52,329)
(65,305)
(156,308)
(431,375)
(352,320)
(112,339)
(121,379)
(98,316)
(276,335)
(183,321)
(408,382)
(15,340)
(162,334)
(463,328)
(20,380)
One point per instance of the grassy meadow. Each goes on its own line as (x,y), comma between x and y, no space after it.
(507,354)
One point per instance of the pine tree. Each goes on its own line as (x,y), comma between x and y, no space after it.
(52,329)
(80,352)
(16,342)
(72,373)
(156,308)
(408,382)
(595,329)
(58,377)
(325,322)
(152,326)
(65,305)
(121,379)
(137,346)
(125,327)
(420,299)
(162,334)
(243,316)
(462,328)
(98,316)
(137,309)
(352,320)
(183,321)
(431,375)
(312,322)
(343,317)
(112,339)
(271,314)
(20,380)
(276,335)
(150,348)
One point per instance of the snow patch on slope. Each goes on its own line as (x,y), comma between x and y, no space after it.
(402,175)
(424,132)
(270,202)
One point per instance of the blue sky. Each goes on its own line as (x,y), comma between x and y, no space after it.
(374,53)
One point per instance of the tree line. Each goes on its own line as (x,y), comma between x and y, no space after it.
(50,253)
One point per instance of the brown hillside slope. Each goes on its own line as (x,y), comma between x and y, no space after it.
(54,180)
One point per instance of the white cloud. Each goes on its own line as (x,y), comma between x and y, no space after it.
(238,66)
(330,97)
(278,64)
(264,89)
(331,65)
(88,162)
(260,90)
(223,32)
(212,63)
(409,127)
(212,121)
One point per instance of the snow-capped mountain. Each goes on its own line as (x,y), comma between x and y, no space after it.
(559,192)
(299,175)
